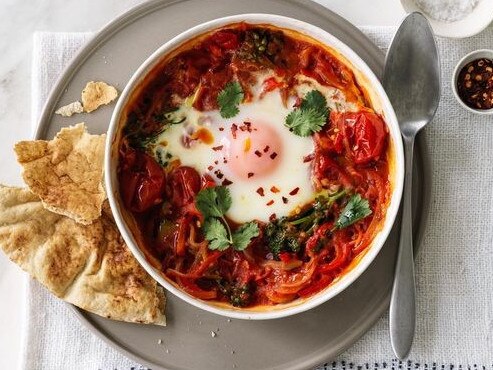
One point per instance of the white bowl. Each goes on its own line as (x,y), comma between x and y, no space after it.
(482,53)
(380,102)
(472,24)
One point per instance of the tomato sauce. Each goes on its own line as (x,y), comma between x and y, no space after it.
(350,157)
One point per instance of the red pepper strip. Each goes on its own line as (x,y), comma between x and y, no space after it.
(196,273)
(316,287)
(212,258)
(181,236)
(342,254)
(190,287)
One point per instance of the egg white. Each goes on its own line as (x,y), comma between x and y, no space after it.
(291,171)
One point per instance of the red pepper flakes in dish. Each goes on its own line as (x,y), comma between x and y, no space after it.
(273,155)
(475,84)
(260,191)
(284,200)
(217,148)
(266,149)
(257,153)
(270,202)
(250,174)
(274,190)
(226,182)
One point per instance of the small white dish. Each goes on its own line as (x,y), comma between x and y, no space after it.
(472,24)
(477,54)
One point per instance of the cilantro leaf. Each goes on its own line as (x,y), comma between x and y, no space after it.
(304,122)
(315,100)
(213,202)
(216,234)
(229,98)
(356,209)
(244,234)
(310,116)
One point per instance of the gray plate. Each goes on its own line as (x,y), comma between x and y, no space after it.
(297,342)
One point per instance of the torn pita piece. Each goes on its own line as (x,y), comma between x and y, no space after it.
(86,265)
(70,109)
(96,94)
(66,172)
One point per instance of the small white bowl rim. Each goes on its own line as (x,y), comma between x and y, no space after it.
(466,59)
(325,37)
(458,29)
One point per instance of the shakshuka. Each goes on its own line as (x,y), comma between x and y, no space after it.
(253,166)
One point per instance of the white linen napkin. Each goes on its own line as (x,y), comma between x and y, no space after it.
(453,270)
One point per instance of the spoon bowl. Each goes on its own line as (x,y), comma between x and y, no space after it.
(412,74)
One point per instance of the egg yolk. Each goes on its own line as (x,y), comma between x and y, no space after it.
(254,150)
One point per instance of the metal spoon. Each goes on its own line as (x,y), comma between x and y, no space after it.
(412,81)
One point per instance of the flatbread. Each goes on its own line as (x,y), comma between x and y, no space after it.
(70,109)
(66,172)
(86,265)
(96,94)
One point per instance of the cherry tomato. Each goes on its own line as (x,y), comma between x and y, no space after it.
(226,39)
(365,134)
(324,167)
(142,181)
(183,184)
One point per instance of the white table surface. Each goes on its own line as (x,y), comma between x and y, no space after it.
(18,20)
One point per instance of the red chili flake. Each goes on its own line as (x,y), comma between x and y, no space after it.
(274,190)
(219,174)
(308,158)
(260,191)
(285,200)
(210,168)
(270,202)
(258,154)
(243,128)
(294,191)
(217,148)
(273,155)
(225,160)
(266,149)
(234,128)
(248,126)
(226,182)
(216,162)
(272,217)
(250,174)
(221,128)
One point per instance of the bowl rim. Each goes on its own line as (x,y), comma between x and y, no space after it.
(462,28)
(391,120)
(455,75)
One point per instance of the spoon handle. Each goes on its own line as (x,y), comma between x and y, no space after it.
(402,303)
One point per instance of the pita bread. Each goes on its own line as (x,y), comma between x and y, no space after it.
(96,94)
(88,266)
(66,172)
(70,109)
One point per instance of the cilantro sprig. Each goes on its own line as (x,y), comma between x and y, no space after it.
(213,203)
(310,116)
(229,98)
(356,209)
